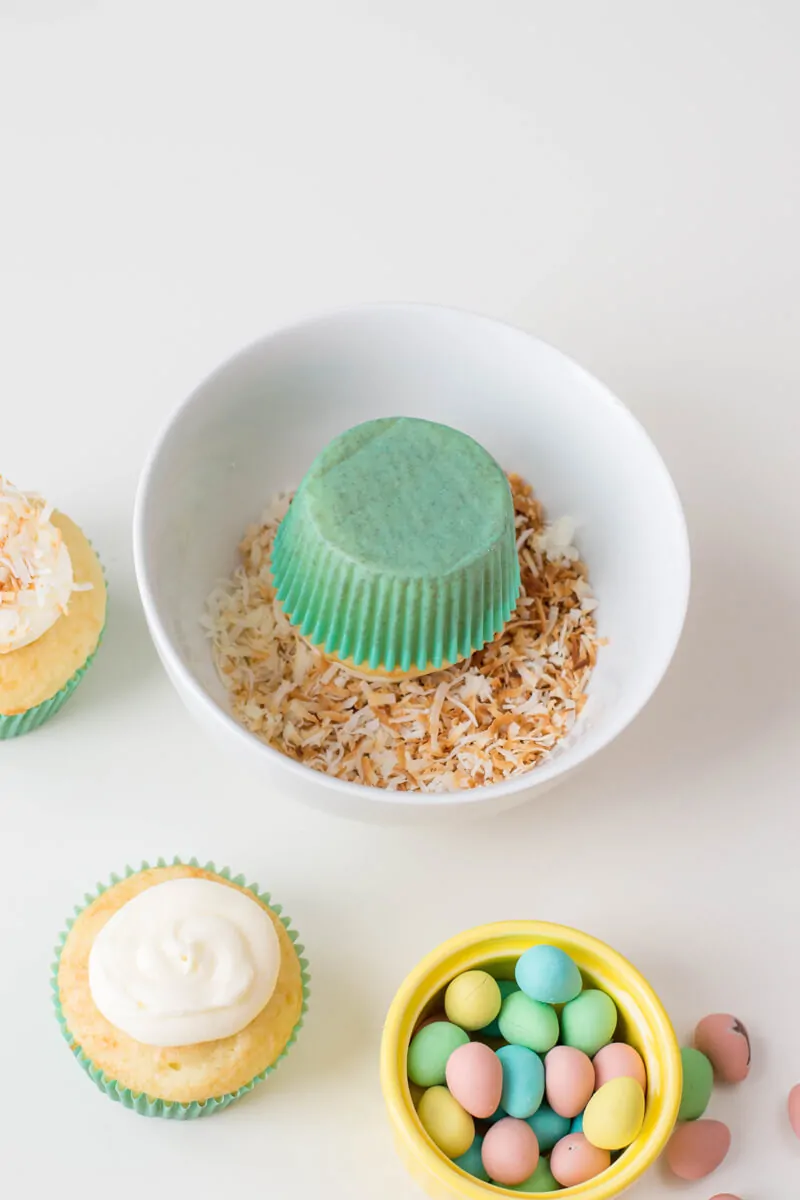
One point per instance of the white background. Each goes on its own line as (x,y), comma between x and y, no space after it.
(622,178)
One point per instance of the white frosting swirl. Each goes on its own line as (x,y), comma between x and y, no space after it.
(185,961)
(36,579)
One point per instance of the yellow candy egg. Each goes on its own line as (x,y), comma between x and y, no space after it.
(446,1122)
(472,1000)
(614,1115)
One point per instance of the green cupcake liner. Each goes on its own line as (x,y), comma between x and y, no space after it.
(407,613)
(140,1102)
(15,726)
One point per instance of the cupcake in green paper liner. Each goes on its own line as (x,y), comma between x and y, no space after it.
(398,553)
(52,610)
(179,988)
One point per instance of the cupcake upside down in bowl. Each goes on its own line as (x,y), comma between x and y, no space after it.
(263,423)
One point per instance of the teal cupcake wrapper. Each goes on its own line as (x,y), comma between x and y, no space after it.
(32,718)
(140,1102)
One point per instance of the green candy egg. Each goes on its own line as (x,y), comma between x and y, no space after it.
(472,1161)
(492,1030)
(542,1180)
(698,1081)
(526,1022)
(430,1050)
(588,1022)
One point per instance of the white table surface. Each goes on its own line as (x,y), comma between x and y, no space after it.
(623,179)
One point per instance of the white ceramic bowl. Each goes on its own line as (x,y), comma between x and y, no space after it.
(253,428)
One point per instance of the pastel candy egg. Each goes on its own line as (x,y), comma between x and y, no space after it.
(794,1109)
(615,1114)
(576,1124)
(510,1152)
(497,1115)
(542,1180)
(569,1080)
(429,1051)
(575,1160)
(526,1022)
(697,1148)
(474,1076)
(445,1122)
(472,1162)
(725,1042)
(472,1000)
(547,974)
(698,1083)
(523,1081)
(549,1127)
(724,1196)
(618,1061)
(588,1022)
(506,986)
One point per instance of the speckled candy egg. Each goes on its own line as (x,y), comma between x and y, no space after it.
(548,974)
(588,1022)
(445,1122)
(472,1000)
(615,1114)
(569,1080)
(510,1152)
(725,1042)
(618,1061)
(575,1160)
(429,1051)
(474,1076)
(523,1081)
(697,1148)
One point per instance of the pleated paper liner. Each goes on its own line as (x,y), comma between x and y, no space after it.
(151,1106)
(391,622)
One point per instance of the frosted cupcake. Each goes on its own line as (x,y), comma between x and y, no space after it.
(398,553)
(52,609)
(179,988)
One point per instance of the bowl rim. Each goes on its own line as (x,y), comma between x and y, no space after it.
(392,1084)
(549,770)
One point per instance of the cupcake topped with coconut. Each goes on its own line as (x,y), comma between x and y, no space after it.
(52,609)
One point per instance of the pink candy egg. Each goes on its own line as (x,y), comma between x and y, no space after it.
(510,1152)
(697,1148)
(475,1077)
(794,1109)
(725,1196)
(575,1160)
(569,1080)
(618,1061)
(724,1041)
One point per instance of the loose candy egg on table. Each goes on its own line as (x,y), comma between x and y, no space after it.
(474,1075)
(616,1061)
(446,1122)
(542,1180)
(697,1148)
(526,1022)
(523,1081)
(472,1161)
(575,1160)
(472,1000)
(547,974)
(549,1127)
(794,1109)
(510,1152)
(615,1114)
(588,1022)
(725,1042)
(569,1080)
(698,1084)
(431,1047)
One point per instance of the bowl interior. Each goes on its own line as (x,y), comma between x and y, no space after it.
(643,1023)
(253,428)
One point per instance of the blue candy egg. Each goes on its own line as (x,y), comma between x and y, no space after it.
(523,1080)
(576,1124)
(471,1162)
(549,1127)
(547,974)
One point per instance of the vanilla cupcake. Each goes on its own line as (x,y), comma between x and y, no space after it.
(52,610)
(179,988)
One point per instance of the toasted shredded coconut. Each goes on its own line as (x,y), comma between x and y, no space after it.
(492,717)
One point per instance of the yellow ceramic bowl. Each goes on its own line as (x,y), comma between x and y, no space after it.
(642,1022)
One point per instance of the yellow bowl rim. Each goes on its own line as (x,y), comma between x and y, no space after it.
(610,1183)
